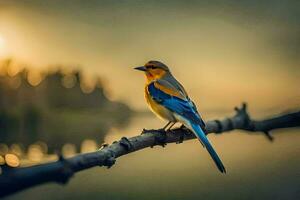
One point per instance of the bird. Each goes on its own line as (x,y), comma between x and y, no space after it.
(168,99)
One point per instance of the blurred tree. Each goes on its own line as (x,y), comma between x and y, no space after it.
(54,105)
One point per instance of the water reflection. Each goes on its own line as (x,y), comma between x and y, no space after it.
(12,160)
(35,153)
(38,152)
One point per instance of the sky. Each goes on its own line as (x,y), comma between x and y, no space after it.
(224,52)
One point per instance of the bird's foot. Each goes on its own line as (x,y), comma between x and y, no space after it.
(183,127)
(184,131)
(181,139)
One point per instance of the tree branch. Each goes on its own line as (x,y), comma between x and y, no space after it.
(16,179)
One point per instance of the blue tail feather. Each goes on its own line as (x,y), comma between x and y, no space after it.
(202,137)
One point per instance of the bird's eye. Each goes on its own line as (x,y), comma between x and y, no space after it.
(152,67)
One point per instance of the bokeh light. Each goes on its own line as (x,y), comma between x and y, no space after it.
(16,149)
(68,150)
(88,146)
(35,153)
(13,69)
(15,82)
(2,160)
(69,81)
(34,77)
(12,160)
(3,149)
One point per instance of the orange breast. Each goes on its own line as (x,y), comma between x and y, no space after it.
(157,109)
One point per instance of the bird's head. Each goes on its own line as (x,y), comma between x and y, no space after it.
(154,70)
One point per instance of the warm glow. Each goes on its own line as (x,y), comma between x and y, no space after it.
(2,160)
(69,81)
(3,149)
(68,150)
(2,45)
(88,146)
(35,153)
(13,69)
(12,160)
(34,77)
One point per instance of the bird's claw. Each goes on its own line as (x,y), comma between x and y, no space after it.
(181,139)
(109,162)
(184,128)
(183,132)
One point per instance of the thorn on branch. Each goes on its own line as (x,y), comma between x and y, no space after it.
(103,146)
(219,126)
(269,136)
(110,160)
(242,110)
(67,171)
(244,106)
(126,143)
(144,131)
(242,114)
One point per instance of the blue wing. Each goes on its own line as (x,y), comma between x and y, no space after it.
(187,109)
(183,107)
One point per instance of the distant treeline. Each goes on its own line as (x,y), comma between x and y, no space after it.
(55,90)
(41,106)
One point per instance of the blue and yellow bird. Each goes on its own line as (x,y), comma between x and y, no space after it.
(168,99)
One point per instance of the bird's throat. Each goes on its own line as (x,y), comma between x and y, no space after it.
(154,76)
(150,77)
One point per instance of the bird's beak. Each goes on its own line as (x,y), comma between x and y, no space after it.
(141,68)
